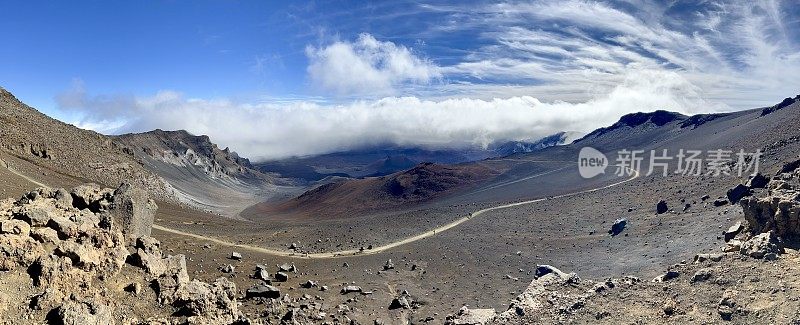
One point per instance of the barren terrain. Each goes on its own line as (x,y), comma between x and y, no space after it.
(478,243)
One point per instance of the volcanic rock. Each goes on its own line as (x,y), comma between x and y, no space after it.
(133,210)
(618,227)
(733,231)
(350,289)
(281,277)
(737,193)
(661,207)
(263,291)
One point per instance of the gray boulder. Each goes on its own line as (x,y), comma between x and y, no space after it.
(133,211)
(762,245)
(350,289)
(263,291)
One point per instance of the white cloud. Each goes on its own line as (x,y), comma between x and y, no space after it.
(367,66)
(736,52)
(263,131)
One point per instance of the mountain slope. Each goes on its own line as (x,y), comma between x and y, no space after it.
(68,150)
(349,198)
(186,150)
(203,175)
(515,147)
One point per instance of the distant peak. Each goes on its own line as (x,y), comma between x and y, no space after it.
(659,117)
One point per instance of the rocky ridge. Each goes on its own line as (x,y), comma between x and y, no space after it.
(183,149)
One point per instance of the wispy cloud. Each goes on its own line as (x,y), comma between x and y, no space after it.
(737,53)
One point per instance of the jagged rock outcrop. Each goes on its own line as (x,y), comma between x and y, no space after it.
(776,210)
(74,246)
(134,210)
(180,148)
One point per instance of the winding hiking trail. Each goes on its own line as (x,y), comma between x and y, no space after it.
(357,252)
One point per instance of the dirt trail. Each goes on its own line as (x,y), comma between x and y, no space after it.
(356,252)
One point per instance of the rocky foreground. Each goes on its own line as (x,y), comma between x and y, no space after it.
(752,280)
(85,256)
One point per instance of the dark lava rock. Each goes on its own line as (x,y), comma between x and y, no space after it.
(757,181)
(661,207)
(400,302)
(790,167)
(737,193)
(618,227)
(281,277)
(667,276)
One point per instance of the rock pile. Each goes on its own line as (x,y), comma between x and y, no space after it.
(772,217)
(73,247)
(778,209)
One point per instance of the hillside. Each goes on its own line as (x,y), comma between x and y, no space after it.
(420,184)
(202,174)
(68,150)
(183,149)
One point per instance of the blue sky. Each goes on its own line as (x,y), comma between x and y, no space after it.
(275,79)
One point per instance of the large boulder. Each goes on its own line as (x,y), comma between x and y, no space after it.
(263,291)
(532,300)
(733,231)
(618,227)
(399,302)
(757,181)
(198,298)
(762,246)
(349,289)
(133,211)
(778,210)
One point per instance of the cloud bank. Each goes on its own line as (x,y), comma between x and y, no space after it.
(271,131)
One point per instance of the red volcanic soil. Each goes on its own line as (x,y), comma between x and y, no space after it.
(422,183)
